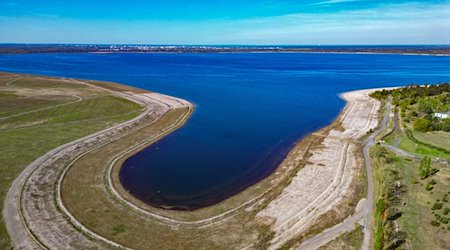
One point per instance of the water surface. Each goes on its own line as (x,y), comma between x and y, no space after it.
(250,109)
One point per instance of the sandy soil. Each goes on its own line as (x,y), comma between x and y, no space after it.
(326,179)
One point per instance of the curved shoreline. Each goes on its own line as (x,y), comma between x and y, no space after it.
(210,221)
(280,175)
(310,198)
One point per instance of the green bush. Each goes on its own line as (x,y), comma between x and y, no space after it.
(443,220)
(422,124)
(425,168)
(435,223)
(446,211)
(437,206)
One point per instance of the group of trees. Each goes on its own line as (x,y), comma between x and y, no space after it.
(412,92)
(419,103)
(429,123)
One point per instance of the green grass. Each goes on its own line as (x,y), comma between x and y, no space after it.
(119,229)
(438,138)
(93,108)
(11,104)
(26,137)
(415,148)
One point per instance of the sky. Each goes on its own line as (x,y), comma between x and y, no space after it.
(196,22)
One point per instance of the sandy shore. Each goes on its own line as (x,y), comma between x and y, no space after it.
(326,181)
(330,163)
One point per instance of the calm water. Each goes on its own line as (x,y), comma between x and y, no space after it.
(250,109)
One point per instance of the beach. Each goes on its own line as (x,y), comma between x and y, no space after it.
(332,176)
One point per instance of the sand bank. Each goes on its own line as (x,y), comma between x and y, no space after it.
(325,182)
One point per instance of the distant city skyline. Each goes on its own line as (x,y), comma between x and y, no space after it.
(312,22)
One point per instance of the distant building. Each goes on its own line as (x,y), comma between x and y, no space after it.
(441,115)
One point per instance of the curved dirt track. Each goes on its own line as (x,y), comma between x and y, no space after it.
(77,97)
(32,217)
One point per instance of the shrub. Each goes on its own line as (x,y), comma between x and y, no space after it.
(435,223)
(422,124)
(443,220)
(425,168)
(446,211)
(437,206)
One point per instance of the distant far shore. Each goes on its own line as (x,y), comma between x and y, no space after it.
(434,50)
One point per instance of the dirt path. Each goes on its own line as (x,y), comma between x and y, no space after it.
(363,212)
(330,234)
(400,151)
(77,97)
(13,81)
(370,194)
(22,213)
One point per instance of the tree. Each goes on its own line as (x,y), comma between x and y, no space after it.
(425,167)
(422,124)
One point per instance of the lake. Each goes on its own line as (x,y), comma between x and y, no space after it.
(250,109)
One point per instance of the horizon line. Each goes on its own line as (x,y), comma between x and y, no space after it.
(179,44)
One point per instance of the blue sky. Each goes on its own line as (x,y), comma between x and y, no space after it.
(225,22)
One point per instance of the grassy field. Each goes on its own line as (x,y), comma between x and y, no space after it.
(406,204)
(37,114)
(436,138)
(403,142)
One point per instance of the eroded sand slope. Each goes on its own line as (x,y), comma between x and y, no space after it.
(325,181)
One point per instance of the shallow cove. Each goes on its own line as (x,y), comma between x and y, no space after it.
(250,109)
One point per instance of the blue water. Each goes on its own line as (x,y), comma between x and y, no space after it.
(250,109)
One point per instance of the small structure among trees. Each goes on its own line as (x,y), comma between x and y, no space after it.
(441,115)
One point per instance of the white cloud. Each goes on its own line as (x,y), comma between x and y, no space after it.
(334,2)
(411,23)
